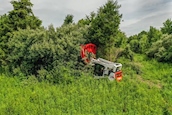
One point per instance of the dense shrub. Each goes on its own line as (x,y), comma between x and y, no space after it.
(33,50)
(161,50)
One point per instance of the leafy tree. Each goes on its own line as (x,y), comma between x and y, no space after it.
(134,44)
(143,41)
(133,37)
(153,35)
(21,17)
(143,44)
(68,19)
(3,29)
(167,27)
(104,28)
(161,50)
(120,40)
(87,20)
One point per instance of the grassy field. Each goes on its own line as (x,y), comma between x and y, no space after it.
(146,89)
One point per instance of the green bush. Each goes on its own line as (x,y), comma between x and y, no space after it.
(32,51)
(161,50)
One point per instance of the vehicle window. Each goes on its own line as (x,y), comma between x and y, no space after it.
(98,69)
(118,69)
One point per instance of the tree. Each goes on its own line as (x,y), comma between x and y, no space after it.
(143,41)
(104,28)
(134,44)
(167,27)
(68,19)
(162,49)
(143,44)
(87,20)
(120,40)
(21,17)
(3,30)
(153,35)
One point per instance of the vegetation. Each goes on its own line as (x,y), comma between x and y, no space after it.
(147,93)
(40,72)
(104,28)
(21,17)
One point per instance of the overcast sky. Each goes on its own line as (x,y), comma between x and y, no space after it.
(138,15)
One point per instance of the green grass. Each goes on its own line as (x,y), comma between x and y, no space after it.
(146,93)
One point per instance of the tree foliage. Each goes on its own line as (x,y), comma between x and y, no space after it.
(153,35)
(88,20)
(68,19)
(104,27)
(143,41)
(167,27)
(21,17)
(52,53)
(162,49)
(35,50)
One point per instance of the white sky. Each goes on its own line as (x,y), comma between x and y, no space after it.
(138,15)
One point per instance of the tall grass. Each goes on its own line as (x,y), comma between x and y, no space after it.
(83,96)
(146,92)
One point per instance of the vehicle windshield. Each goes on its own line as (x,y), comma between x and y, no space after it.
(117,69)
(98,70)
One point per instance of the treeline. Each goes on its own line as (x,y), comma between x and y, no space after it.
(155,43)
(27,48)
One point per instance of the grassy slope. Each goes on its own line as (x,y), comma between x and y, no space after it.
(147,92)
